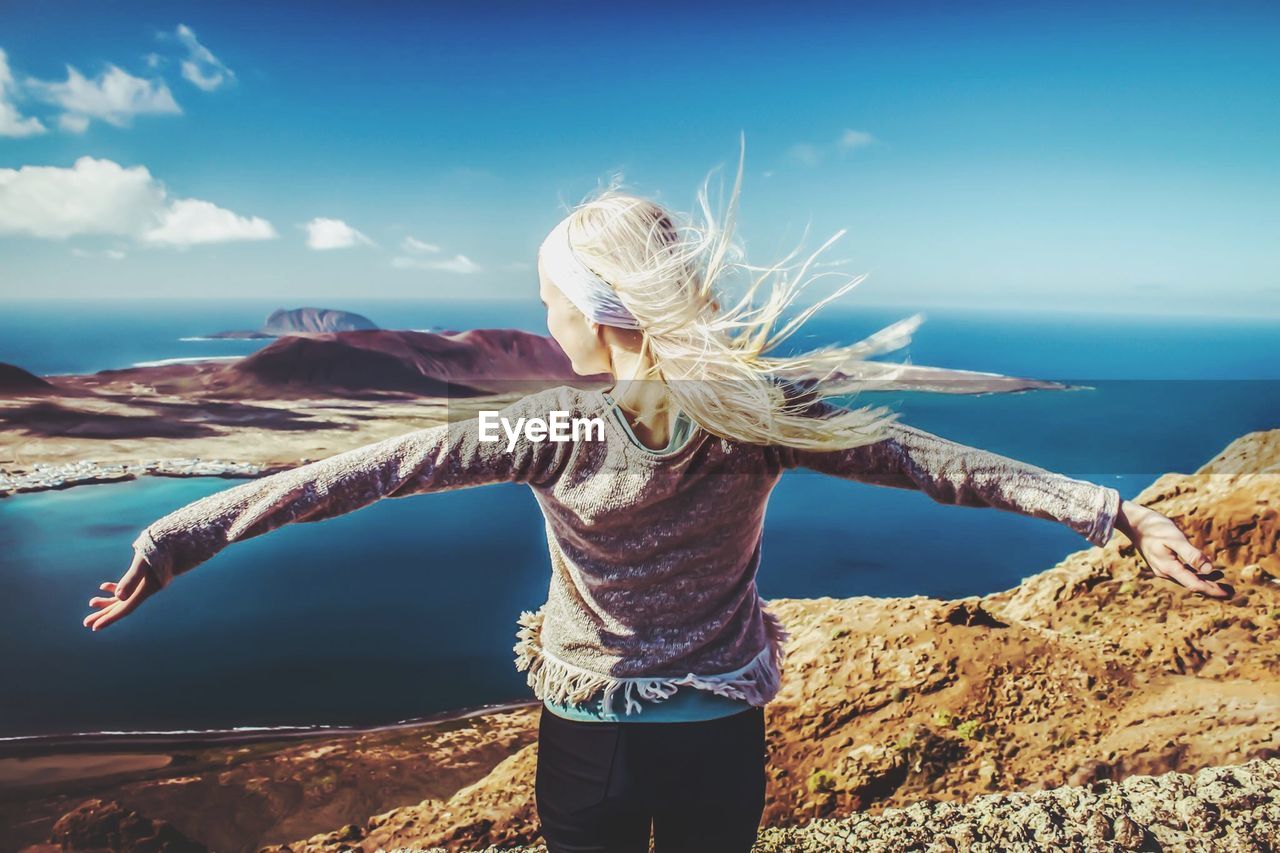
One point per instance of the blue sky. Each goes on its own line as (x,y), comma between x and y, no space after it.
(1111,157)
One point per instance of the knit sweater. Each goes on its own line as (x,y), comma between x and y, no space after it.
(685,705)
(653,555)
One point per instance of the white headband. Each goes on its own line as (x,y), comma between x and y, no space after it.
(592,296)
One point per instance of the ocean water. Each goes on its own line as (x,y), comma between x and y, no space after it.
(311,624)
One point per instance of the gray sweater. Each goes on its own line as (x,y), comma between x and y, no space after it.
(653,555)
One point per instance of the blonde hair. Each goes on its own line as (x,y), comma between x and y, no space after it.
(717,361)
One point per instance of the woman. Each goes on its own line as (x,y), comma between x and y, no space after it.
(653,655)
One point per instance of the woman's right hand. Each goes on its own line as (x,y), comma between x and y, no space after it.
(1167,551)
(137,584)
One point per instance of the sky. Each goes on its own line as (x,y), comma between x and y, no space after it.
(1117,157)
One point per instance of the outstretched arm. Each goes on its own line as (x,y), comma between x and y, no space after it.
(952,473)
(447,456)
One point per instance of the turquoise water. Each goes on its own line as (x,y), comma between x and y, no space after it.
(307,626)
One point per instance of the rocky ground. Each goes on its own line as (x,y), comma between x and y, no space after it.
(1233,808)
(1001,720)
(1216,809)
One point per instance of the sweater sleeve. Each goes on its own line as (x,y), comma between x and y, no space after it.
(438,458)
(952,473)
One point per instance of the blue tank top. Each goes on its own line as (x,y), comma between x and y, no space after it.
(685,705)
(688,703)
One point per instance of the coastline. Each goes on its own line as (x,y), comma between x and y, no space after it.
(66,442)
(18,746)
(32,764)
(47,477)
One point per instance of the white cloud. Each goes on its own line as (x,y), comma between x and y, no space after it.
(102,197)
(115,97)
(110,254)
(413,244)
(854,139)
(13,123)
(458,263)
(189,221)
(92,197)
(805,154)
(73,123)
(810,154)
(323,233)
(201,68)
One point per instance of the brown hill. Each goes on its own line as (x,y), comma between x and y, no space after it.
(14,381)
(372,363)
(481,361)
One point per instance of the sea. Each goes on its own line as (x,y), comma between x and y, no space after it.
(407,608)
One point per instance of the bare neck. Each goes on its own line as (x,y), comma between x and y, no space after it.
(643,397)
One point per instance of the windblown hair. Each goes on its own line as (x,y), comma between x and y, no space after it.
(719,362)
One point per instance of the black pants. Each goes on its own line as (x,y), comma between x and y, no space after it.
(701,784)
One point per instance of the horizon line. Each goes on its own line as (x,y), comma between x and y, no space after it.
(513,300)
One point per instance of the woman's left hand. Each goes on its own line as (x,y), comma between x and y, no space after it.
(1167,551)
(136,586)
